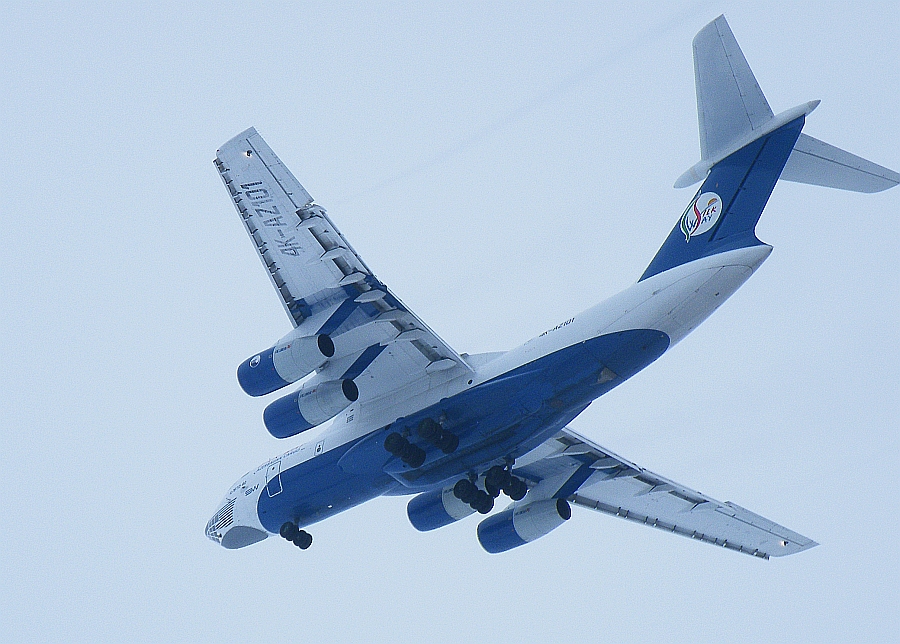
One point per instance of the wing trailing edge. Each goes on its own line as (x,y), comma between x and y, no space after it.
(617,487)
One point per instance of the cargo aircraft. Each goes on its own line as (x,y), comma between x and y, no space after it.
(411,416)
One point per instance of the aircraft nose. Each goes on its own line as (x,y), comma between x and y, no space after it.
(223,530)
(218,525)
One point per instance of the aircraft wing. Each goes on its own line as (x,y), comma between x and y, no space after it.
(317,274)
(572,467)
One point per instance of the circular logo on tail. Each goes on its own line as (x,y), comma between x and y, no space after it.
(701,215)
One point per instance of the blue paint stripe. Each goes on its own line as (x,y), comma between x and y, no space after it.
(426,511)
(743,181)
(363,361)
(283,418)
(575,481)
(497,534)
(259,377)
(339,316)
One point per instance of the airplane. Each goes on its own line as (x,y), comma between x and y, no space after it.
(411,416)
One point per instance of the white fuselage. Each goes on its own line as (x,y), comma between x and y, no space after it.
(673,302)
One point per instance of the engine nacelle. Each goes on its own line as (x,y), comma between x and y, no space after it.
(311,405)
(436,509)
(521,523)
(288,361)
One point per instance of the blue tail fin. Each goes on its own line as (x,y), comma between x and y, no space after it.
(744,149)
(723,214)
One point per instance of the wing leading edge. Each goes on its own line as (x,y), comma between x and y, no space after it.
(590,476)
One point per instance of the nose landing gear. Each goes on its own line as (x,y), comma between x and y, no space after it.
(300,538)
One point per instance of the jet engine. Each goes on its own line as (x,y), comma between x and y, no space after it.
(521,523)
(293,358)
(436,509)
(311,405)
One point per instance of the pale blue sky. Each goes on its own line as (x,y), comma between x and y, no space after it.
(501,167)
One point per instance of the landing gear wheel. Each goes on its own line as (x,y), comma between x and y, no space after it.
(491,488)
(483,502)
(448,443)
(497,477)
(302,539)
(413,455)
(288,530)
(394,443)
(465,491)
(516,489)
(430,430)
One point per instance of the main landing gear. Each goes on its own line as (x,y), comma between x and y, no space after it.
(413,455)
(497,479)
(300,538)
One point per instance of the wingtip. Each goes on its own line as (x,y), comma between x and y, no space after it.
(250,131)
(719,21)
(792,547)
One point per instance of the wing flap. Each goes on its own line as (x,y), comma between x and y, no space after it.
(309,261)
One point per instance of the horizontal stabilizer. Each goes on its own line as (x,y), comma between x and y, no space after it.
(820,164)
(699,170)
(733,113)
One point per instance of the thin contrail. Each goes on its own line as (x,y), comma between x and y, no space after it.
(558,89)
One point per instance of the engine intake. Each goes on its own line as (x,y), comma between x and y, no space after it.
(288,361)
(521,523)
(436,509)
(309,406)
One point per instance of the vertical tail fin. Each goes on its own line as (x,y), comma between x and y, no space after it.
(730,103)
(732,111)
(723,214)
(744,150)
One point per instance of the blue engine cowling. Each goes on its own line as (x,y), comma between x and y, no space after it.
(521,523)
(288,361)
(436,509)
(311,405)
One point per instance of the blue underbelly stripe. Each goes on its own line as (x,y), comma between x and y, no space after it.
(494,420)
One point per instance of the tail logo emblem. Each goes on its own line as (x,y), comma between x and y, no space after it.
(701,215)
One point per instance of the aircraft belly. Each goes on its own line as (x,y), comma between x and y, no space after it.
(648,304)
(505,417)
(508,416)
(317,489)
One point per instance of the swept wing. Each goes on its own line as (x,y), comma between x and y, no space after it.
(320,277)
(572,467)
